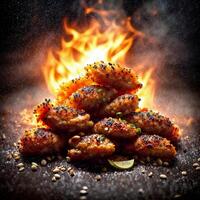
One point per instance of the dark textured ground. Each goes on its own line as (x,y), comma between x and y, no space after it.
(113,185)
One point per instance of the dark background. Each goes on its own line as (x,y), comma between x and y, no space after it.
(23,22)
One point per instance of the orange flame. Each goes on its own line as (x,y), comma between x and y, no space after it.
(109,40)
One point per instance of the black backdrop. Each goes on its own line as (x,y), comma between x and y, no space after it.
(24,21)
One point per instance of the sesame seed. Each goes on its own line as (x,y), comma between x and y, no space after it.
(143,171)
(197,168)
(177,196)
(34,163)
(56,170)
(85,188)
(3,136)
(57,176)
(184,173)
(9,157)
(198,159)
(83,192)
(34,167)
(43,162)
(140,191)
(195,165)
(53,179)
(106,128)
(21,169)
(98,177)
(20,165)
(62,169)
(68,159)
(163,176)
(150,174)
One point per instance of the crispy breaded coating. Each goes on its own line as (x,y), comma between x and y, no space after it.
(62,118)
(151,145)
(40,141)
(121,106)
(91,146)
(115,128)
(153,123)
(67,88)
(92,97)
(113,75)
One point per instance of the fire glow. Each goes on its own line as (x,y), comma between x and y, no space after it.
(108,39)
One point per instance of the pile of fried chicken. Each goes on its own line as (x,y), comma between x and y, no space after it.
(98,116)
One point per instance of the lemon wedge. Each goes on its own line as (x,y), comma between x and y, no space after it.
(124,164)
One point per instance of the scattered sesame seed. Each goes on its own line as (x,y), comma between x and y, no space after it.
(3,136)
(56,170)
(197,168)
(163,176)
(83,192)
(195,165)
(198,159)
(62,169)
(43,162)
(98,177)
(34,163)
(69,168)
(177,196)
(20,165)
(53,179)
(106,128)
(85,188)
(57,176)
(150,174)
(184,173)
(21,169)
(140,191)
(34,167)
(143,171)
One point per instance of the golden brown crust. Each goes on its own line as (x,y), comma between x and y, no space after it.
(92,97)
(62,118)
(40,141)
(67,88)
(121,106)
(151,145)
(115,128)
(91,146)
(113,75)
(154,123)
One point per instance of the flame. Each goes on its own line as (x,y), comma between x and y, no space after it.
(109,39)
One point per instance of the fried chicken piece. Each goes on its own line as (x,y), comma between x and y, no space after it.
(40,141)
(113,75)
(151,145)
(91,146)
(153,123)
(67,88)
(62,118)
(92,97)
(121,106)
(115,128)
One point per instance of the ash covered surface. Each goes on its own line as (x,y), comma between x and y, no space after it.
(130,184)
